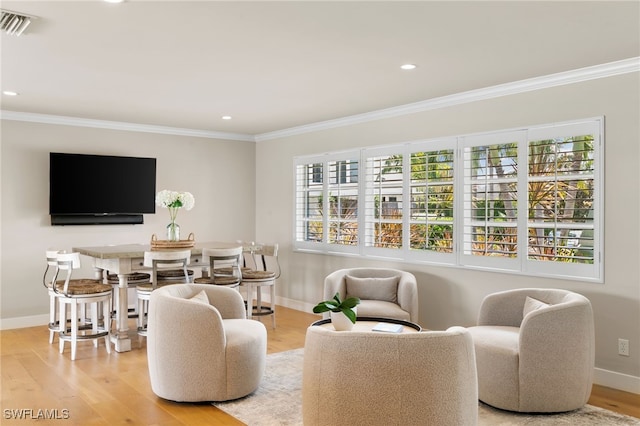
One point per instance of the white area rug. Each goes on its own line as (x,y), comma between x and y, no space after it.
(278,402)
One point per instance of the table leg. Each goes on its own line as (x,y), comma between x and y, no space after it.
(98,273)
(121,339)
(258,298)
(249,301)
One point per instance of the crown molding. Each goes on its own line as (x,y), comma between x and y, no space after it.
(118,125)
(595,72)
(537,83)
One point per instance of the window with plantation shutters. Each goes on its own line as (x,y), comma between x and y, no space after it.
(563,176)
(523,201)
(326,215)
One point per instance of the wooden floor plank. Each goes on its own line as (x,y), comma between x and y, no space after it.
(615,400)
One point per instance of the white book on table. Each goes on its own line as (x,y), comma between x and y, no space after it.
(388,327)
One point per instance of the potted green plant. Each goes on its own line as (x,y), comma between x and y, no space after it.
(343,312)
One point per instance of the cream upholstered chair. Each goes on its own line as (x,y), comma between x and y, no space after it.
(369,378)
(77,294)
(200,346)
(224,266)
(158,261)
(384,293)
(535,350)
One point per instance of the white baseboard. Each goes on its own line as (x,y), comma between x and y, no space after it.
(296,304)
(610,379)
(24,322)
(620,381)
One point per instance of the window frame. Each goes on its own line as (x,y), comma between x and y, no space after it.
(494,263)
(326,185)
(521,263)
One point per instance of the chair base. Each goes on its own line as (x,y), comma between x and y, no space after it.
(261,311)
(100,306)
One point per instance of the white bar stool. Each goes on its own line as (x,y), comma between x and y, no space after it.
(54,320)
(264,274)
(158,261)
(76,293)
(224,266)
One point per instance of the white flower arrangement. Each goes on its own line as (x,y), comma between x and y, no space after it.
(174,200)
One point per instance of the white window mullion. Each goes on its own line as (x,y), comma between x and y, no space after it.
(325,202)
(523,207)
(460,200)
(406,201)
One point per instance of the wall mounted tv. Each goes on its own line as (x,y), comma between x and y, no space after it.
(100,189)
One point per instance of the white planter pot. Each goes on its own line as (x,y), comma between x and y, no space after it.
(341,322)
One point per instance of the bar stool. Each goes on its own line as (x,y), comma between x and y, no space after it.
(224,266)
(159,261)
(265,272)
(54,320)
(76,293)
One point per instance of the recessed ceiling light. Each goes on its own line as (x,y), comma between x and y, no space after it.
(408,66)
(9,93)
(226,117)
(114,1)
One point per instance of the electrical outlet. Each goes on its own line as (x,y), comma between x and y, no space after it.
(623,347)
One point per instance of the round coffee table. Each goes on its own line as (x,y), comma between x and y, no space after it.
(368,323)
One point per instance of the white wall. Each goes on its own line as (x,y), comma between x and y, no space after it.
(219,173)
(450,296)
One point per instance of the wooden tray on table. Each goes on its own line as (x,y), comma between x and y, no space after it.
(157,244)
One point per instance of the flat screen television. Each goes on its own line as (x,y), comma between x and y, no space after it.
(100,189)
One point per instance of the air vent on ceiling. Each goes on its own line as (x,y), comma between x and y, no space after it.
(14,23)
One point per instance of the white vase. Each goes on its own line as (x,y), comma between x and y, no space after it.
(341,322)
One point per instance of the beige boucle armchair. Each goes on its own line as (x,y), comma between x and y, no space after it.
(200,346)
(535,350)
(372,378)
(384,293)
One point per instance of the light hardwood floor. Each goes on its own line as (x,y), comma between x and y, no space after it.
(102,389)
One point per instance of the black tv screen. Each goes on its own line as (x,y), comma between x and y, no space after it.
(98,189)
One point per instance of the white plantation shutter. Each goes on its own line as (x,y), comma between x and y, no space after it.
(309,187)
(343,202)
(326,202)
(564,183)
(490,194)
(431,210)
(383,203)
(523,201)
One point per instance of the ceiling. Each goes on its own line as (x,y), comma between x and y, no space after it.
(277,65)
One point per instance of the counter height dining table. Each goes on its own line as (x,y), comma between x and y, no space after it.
(125,259)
